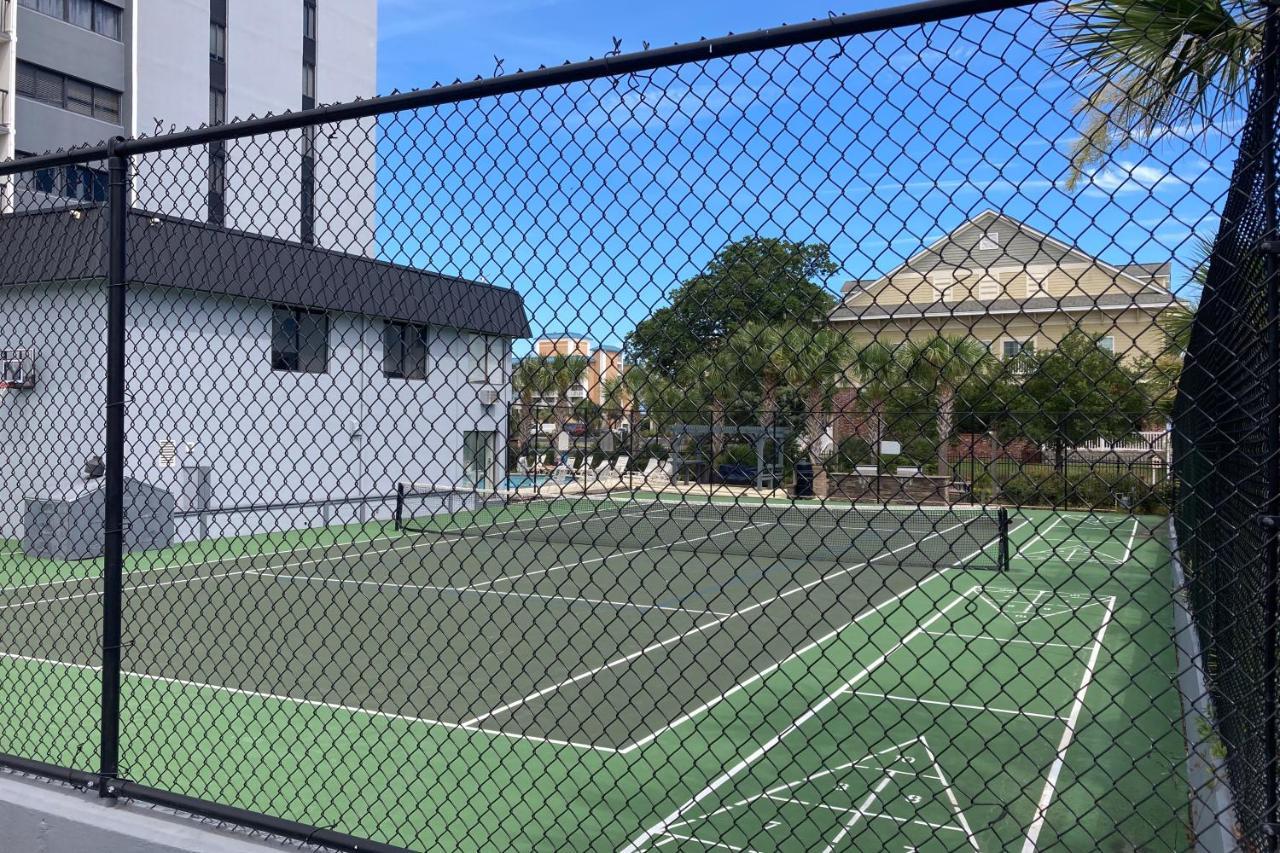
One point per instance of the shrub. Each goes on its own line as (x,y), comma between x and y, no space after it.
(737,454)
(850,453)
(1084,488)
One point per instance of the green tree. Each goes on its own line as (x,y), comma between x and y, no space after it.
(531,382)
(788,358)
(818,371)
(879,371)
(559,374)
(665,400)
(1074,393)
(1154,64)
(753,280)
(939,366)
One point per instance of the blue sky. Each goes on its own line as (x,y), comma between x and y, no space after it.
(596,199)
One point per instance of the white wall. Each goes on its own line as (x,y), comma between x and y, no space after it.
(264,75)
(200,375)
(49,431)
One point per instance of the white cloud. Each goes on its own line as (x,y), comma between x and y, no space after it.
(1129,178)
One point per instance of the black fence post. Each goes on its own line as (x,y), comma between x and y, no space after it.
(113,540)
(1271,556)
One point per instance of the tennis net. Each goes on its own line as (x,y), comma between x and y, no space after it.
(906,535)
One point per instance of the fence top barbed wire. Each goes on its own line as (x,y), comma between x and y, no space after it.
(818,29)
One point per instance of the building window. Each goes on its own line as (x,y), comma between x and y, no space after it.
(299,340)
(68,93)
(75,182)
(309,19)
(1107,343)
(85,184)
(217,182)
(54,8)
(217,190)
(80,13)
(483,358)
(217,42)
(989,241)
(217,106)
(106,20)
(1011,348)
(404,351)
(309,80)
(96,15)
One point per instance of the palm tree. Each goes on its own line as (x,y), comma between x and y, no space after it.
(878,370)
(1155,64)
(565,372)
(531,381)
(817,372)
(799,357)
(939,366)
(767,354)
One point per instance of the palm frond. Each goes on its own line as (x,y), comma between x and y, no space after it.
(1156,64)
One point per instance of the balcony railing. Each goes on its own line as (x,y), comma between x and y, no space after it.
(1154,442)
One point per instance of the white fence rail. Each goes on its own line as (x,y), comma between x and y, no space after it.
(1155,442)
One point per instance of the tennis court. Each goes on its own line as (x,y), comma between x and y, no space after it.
(660,695)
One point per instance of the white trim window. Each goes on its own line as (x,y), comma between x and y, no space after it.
(405,350)
(1012,347)
(989,242)
(484,360)
(1107,343)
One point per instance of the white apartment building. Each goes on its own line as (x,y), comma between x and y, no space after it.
(82,71)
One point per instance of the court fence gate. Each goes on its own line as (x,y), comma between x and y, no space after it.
(346,488)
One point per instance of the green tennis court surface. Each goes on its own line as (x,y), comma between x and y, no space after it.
(488,692)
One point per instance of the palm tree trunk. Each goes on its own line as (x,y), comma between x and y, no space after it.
(946,416)
(717,438)
(562,411)
(816,427)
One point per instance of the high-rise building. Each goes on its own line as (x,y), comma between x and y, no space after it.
(82,71)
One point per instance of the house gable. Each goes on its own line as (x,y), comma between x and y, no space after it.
(991,259)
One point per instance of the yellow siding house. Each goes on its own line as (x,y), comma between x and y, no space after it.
(1009,286)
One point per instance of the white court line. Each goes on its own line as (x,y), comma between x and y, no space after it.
(1039,535)
(951,795)
(697,629)
(312,703)
(1004,640)
(794,801)
(1068,732)
(915,700)
(177,566)
(857,815)
(1128,549)
(813,777)
(814,710)
(98,593)
(666,546)
(466,590)
(823,640)
(706,843)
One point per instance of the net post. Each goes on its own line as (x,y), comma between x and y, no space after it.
(400,506)
(1002,520)
(113,481)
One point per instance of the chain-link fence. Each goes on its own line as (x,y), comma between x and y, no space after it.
(762,444)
